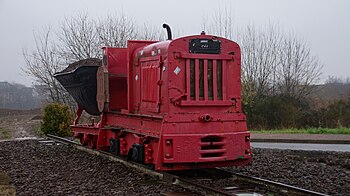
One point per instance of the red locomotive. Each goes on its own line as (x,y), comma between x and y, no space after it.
(174,104)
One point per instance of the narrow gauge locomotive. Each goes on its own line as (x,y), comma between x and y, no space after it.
(173,104)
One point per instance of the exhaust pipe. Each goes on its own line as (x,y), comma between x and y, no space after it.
(168,30)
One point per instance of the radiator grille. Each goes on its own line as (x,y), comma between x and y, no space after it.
(205,79)
(212,146)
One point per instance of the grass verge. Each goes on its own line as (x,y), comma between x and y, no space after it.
(306,131)
(5,134)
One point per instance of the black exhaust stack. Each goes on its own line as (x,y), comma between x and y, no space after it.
(168,30)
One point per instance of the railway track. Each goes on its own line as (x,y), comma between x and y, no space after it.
(204,181)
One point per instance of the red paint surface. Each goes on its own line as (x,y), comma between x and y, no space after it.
(151,103)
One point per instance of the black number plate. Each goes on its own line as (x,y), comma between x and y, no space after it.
(205,46)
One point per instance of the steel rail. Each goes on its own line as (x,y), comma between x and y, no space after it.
(191,184)
(62,140)
(279,186)
(269,184)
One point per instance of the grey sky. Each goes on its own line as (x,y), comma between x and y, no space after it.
(325,24)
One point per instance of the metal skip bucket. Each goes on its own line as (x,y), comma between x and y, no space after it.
(79,79)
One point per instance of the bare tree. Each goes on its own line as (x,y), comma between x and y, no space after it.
(298,68)
(79,39)
(149,32)
(337,80)
(82,37)
(259,59)
(41,64)
(221,23)
(115,31)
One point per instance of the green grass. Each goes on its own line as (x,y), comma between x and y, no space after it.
(306,131)
(5,134)
(37,131)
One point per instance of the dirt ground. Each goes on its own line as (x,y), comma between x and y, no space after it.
(19,124)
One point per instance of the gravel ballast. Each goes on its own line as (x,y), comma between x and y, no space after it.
(325,172)
(39,169)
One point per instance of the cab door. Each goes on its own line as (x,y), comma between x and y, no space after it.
(150,84)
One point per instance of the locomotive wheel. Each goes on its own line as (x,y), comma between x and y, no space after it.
(82,140)
(92,141)
(129,156)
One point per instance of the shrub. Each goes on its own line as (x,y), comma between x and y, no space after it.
(56,120)
(275,112)
(337,114)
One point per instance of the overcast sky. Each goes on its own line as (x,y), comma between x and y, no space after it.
(325,24)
